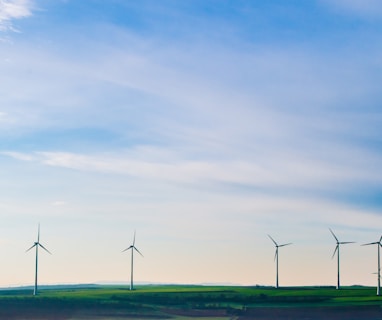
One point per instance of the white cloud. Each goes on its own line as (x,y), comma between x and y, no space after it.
(11,10)
(19,155)
(269,170)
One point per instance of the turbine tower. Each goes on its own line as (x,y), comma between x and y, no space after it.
(379,244)
(277,257)
(337,249)
(132,247)
(36,245)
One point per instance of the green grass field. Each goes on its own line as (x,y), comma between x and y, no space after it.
(179,302)
(211,296)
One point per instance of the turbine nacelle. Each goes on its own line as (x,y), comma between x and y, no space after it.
(127,249)
(278,245)
(338,243)
(376,242)
(38,244)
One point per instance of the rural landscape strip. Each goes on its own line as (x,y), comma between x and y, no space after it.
(180,302)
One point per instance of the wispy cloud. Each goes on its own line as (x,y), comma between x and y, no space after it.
(277,170)
(19,155)
(287,124)
(11,10)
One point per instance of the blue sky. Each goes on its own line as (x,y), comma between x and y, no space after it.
(203,125)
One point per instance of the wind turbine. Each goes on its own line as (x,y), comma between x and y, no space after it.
(36,245)
(132,247)
(379,244)
(277,257)
(337,249)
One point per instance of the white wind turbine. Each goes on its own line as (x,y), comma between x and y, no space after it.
(337,249)
(36,245)
(277,257)
(379,244)
(132,247)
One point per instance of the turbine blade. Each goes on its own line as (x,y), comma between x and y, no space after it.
(380,239)
(335,251)
(44,248)
(274,259)
(367,244)
(285,244)
(138,251)
(127,249)
(134,238)
(31,248)
(38,233)
(346,242)
(272,240)
(333,234)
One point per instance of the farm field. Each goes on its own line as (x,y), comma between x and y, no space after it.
(190,302)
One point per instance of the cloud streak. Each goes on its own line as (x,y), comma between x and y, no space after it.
(11,10)
(267,172)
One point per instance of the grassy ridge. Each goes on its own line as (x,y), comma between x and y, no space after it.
(160,301)
(189,295)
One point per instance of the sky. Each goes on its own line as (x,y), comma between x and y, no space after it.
(201,125)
